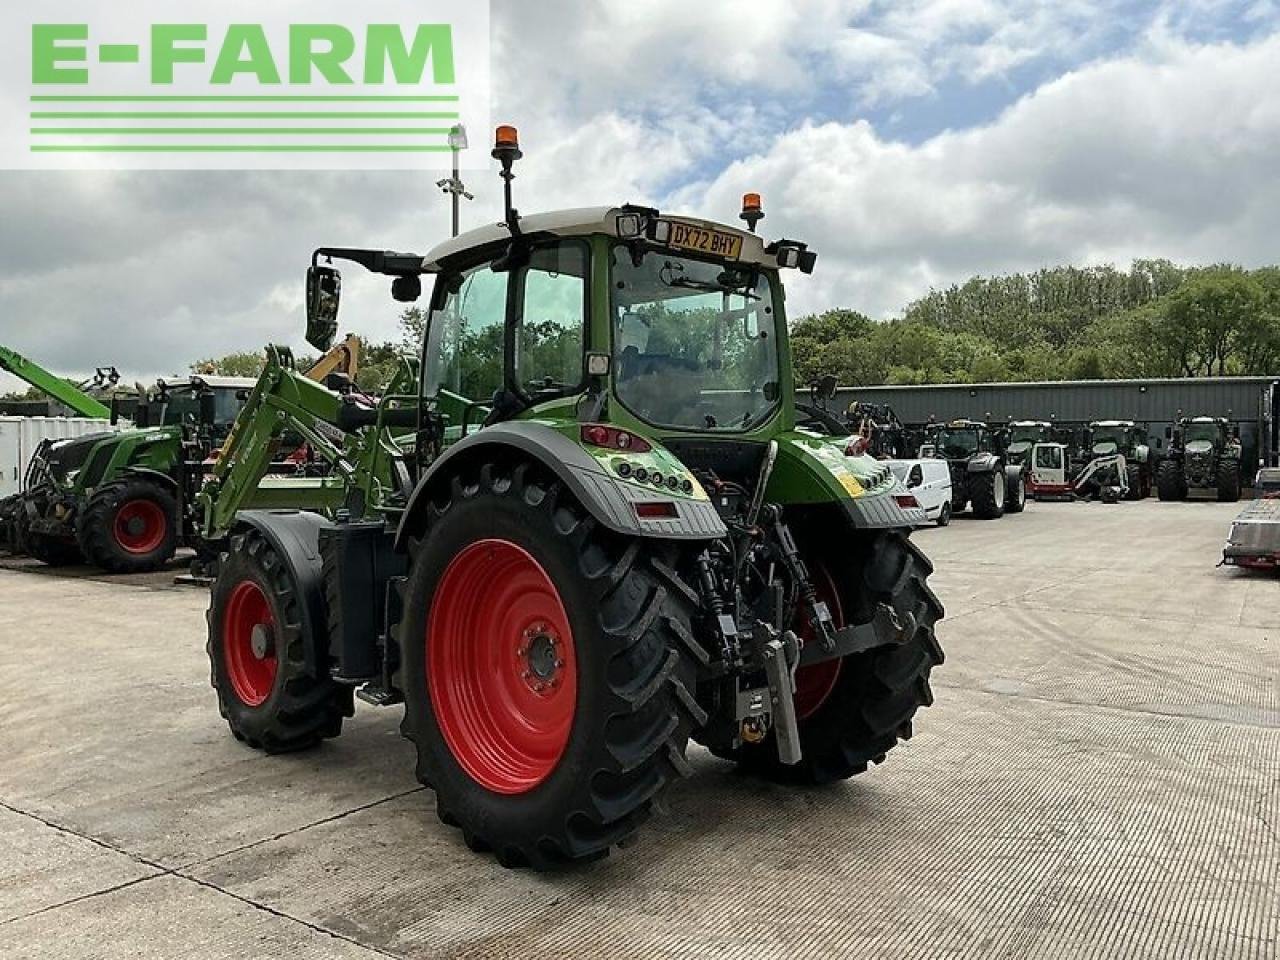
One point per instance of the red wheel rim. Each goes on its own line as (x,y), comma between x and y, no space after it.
(815,683)
(501,666)
(140,526)
(248,643)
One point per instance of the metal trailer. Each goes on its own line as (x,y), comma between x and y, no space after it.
(1254,540)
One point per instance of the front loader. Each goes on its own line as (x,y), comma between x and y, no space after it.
(611,539)
(126,501)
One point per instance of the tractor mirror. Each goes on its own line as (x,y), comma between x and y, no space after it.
(827,387)
(324,292)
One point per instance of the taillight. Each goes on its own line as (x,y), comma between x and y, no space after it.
(656,510)
(906,500)
(611,438)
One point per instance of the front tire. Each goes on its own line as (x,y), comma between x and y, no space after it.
(1016,496)
(1170,484)
(129,526)
(1228,481)
(986,494)
(257,655)
(547,670)
(856,716)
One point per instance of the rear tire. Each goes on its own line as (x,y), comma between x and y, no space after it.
(509,553)
(877,693)
(268,698)
(1170,484)
(944,515)
(986,494)
(1228,481)
(129,526)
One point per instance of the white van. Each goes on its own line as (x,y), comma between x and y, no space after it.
(929,480)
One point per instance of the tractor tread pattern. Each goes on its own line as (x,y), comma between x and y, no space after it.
(303,710)
(880,691)
(1170,483)
(94,526)
(647,710)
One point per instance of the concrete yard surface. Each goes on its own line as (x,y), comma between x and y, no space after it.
(1099,777)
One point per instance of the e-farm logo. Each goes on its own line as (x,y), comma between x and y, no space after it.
(278,84)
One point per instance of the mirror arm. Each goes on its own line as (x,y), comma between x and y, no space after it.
(386,262)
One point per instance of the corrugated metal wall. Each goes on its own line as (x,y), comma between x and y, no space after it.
(19,437)
(1155,403)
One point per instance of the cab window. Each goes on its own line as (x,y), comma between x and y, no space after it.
(551,320)
(464,348)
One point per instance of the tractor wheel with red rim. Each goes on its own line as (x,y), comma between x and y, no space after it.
(547,666)
(129,526)
(256,655)
(852,711)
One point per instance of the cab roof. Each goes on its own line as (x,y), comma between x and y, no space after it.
(581,222)
(208,381)
(1112,423)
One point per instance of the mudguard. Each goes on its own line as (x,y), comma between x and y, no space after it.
(155,476)
(983,463)
(295,536)
(609,499)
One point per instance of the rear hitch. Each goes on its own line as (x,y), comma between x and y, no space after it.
(761,707)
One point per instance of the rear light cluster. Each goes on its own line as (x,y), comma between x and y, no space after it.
(611,438)
(906,501)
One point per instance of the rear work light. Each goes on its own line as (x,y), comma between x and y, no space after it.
(611,438)
(657,510)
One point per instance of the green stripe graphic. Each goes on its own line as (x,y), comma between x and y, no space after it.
(245,99)
(239,148)
(215,131)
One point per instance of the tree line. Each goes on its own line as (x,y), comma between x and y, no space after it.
(1155,319)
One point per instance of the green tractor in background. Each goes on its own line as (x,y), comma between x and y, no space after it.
(1124,437)
(1203,458)
(606,538)
(124,501)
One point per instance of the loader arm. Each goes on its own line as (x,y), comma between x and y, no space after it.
(356,441)
(52,385)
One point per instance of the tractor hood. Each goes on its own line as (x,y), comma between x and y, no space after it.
(62,458)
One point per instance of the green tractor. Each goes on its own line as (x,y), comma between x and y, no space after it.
(124,501)
(607,538)
(1107,438)
(1203,458)
(981,475)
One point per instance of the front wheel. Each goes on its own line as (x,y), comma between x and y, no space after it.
(1015,500)
(257,655)
(129,526)
(1229,481)
(1170,484)
(986,493)
(547,670)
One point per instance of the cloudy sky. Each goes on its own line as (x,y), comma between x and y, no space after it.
(911,142)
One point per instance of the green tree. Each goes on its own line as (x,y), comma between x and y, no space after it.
(247,364)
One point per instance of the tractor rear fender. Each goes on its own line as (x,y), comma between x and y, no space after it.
(610,501)
(983,463)
(155,476)
(295,537)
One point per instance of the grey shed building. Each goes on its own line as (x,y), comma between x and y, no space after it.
(1252,403)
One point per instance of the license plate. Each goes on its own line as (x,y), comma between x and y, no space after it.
(685,236)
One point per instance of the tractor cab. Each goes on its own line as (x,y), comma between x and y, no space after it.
(1022,435)
(1109,437)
